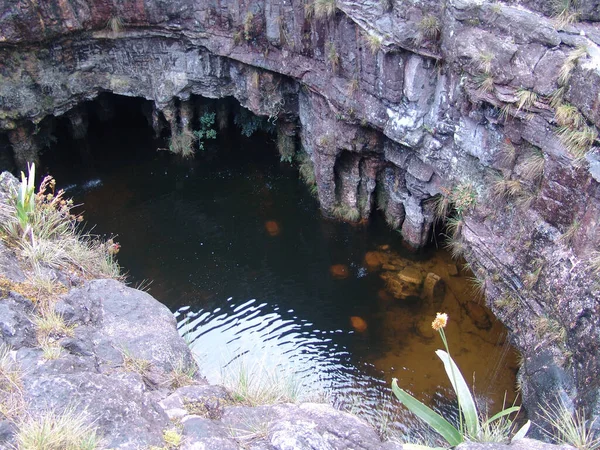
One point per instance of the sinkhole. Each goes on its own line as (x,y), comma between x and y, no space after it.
(264,286)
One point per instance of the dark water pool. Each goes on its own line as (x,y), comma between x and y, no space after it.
(235,245)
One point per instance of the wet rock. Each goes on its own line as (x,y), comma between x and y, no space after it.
(389,267)
(452,269)
(411,275)
(434,287)
(374,260)
(479,315)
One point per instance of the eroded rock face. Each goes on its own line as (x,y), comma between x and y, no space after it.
(397,102)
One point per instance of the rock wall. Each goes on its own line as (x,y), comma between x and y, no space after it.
(490,108)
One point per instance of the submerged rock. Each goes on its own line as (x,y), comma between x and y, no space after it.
(339,271)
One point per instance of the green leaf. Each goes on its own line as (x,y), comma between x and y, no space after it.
(504,412)
(465,399)
(522,431)
(428,415)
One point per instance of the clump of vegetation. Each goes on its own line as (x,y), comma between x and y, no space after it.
(565,12)
(173,438)
(115,24)
(353,86)
(346,213)
(373,42)
(526,99)
(307,172)
(249,123)
(256,385)
(532,167)
(182,143)
(568,236)
(286,145)
(485,82)
(44,230)
(485,62)
(570,428)
(472,425)
(507,302)
(594,262)
(12,403)
(550,330)
(51,430)
(181,375)
(132,363)
(206,131)
(332,57)
(249,26)
(569,64)
(429,28)
(323,9)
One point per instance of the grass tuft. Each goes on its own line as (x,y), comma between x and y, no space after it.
(570,428)
(568,236)
(182,143)
(373,42)
(257,385)
(49,431)
(532,167)
(324,9)
(12,403)
(526,99)
(346,213)
(485,82)
(332,57)
(429,28)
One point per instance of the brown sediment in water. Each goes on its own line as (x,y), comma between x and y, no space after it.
(272,228)
(339,271)
(359,324)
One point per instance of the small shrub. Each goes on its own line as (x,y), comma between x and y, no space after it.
(463,197)
(51,431)
(206,131)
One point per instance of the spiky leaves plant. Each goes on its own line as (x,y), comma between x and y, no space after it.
(471,424)
(570,428)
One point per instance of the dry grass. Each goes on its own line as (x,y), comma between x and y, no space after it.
(12,403)
(532,167)
(485,62)
(69,430)
(50,324)
(568,236)
(578,141)
(133,364)
(182,143)
(332,57)
(564,74)
(373,42)
(567,115)
(594,262)
(504,188)
(485,83)
(549,330)
(323,9)
(526,99)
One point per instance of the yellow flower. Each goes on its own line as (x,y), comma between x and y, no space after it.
(441,319)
